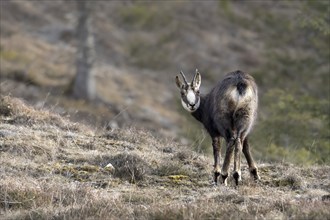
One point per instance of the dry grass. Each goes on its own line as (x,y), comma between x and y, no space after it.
(51,168)
(25,59)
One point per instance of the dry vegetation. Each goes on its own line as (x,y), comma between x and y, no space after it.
(52,168)
(142,45)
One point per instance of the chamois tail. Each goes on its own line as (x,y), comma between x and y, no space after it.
(240,92)
(241,84)
(241,87)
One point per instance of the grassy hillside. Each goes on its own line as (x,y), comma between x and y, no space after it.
(52,168)
(142,45)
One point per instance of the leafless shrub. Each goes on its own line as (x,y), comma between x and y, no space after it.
(23,114)
(130,167)
(5,108)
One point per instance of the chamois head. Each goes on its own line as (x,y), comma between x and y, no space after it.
(190,97)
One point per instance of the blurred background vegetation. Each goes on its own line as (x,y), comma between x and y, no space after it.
(140,47)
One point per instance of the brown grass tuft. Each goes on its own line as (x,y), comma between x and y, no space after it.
(130,167)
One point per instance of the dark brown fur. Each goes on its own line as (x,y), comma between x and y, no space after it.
(229,111)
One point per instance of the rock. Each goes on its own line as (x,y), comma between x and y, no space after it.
(109,167)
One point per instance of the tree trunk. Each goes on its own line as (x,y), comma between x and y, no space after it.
(84,82)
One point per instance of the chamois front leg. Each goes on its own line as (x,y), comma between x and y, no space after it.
(216,153)
(252,167)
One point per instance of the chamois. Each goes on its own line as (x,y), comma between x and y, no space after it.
(228,111)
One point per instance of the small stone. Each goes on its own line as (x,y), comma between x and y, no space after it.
(109,167)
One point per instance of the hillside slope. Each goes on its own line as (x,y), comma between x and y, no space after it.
(52,168)
(142,45)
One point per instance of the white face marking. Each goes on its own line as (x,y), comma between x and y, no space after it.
(191,98)
(185,106)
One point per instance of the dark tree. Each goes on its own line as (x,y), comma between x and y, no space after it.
(84,82)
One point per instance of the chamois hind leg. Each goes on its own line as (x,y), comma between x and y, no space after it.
(242,122)
(237,160)
(226,162)
(252,167)
(216,153)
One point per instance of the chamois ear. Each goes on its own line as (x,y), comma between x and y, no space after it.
(197,80)
(178,82)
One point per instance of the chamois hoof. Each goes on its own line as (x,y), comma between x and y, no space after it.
(216,177)
(237,177)
(254,174)
(224,179)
